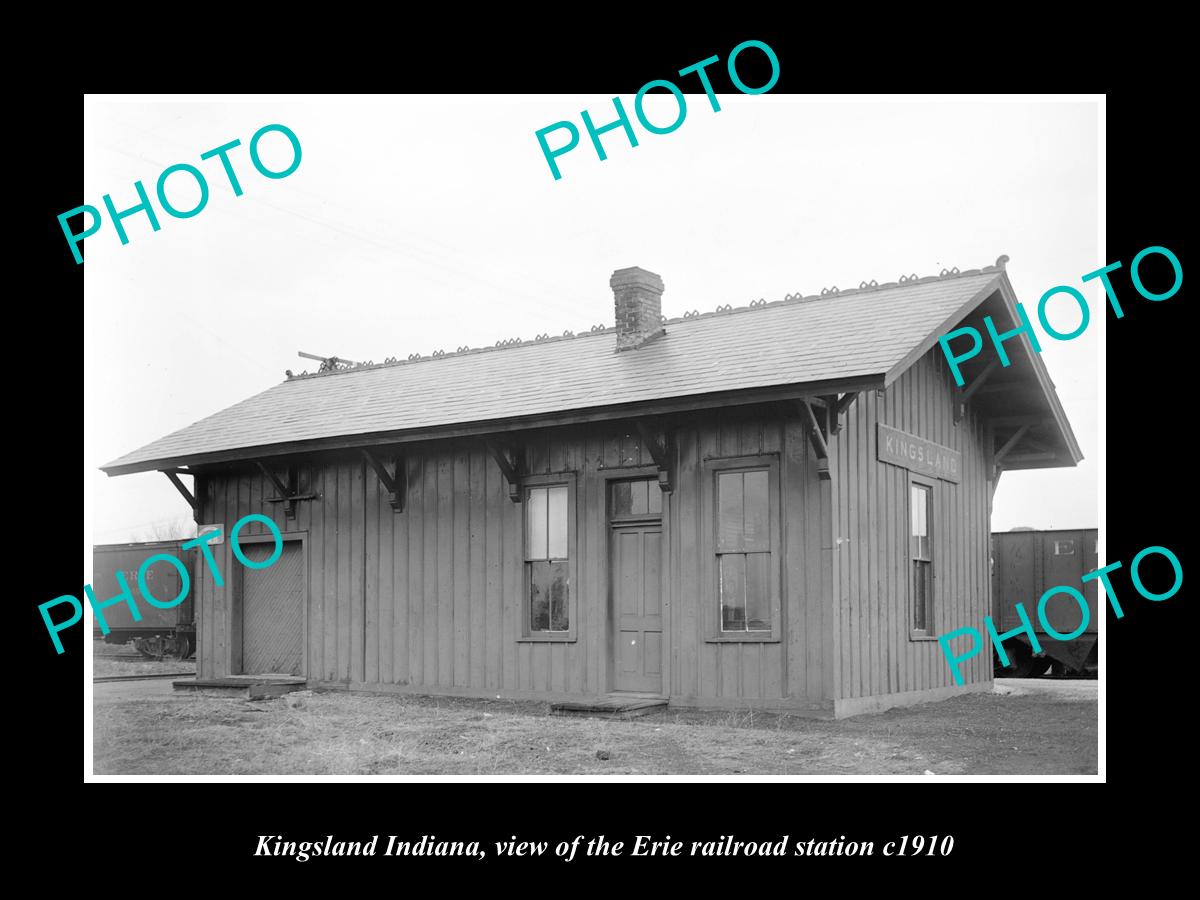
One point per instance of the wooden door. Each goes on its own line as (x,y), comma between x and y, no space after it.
(637,593)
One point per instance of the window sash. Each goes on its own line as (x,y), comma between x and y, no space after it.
(744,578)
(921,592)
(547,520)
(547,529)
(549,596)
(744,591)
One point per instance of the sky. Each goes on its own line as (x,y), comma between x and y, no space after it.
(417,223)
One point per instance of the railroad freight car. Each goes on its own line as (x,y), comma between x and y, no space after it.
(1026,564)
(161,632)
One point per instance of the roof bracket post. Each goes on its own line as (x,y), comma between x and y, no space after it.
(396,485)
(182,488)
(287,492)
(836,406)
(510,461)
(663,453)
(960,402)
(998,458)
(820,447)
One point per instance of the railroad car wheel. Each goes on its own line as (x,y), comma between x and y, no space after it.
(151,648)
(1039,667)
(183,648)
(1020,660)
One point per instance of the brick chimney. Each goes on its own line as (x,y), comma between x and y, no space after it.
(637,295)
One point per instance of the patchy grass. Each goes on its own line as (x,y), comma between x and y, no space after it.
(123,659)
(338,734)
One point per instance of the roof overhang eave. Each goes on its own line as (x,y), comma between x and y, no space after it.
(849,384)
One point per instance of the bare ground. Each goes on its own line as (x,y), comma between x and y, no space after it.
(123,659)
(152,731)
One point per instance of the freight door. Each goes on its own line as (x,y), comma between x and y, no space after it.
(1066,557)
(273,610)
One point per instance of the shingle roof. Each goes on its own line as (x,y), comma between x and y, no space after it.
(798,340)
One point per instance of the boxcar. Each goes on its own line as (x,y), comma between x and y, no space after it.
(1026,564)
(161,632)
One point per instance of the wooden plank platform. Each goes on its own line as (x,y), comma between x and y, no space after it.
(613,706)
(253,687)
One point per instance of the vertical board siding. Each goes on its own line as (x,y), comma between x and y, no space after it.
(431,598)
(871,555)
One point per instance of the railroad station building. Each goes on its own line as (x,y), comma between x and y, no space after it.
(778,506)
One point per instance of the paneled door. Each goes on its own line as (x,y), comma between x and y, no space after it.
(636,583)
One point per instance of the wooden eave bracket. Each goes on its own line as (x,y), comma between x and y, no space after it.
(998,457)
(173,475)
(288,493)
(510,461)
(394,482)
(816,437)
(662,452)
(834,407)
(960,403)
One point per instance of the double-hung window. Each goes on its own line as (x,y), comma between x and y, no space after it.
(744,556)
(549,510)
(920,513)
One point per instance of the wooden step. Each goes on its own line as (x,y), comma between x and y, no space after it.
(613,706)
(253,687)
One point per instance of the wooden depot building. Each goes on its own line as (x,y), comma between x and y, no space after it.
(779,506)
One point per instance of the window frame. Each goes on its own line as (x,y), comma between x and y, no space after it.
(930,632)
(652,485)
(526,633)
(712,469)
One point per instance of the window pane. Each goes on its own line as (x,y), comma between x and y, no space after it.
(920,512)
(757,511)
(732,576)
(559,592)
(730,520)
(622,498)
(655,498)
(758,591)
(539,596)
(921,588)
(638,492)
(557,519)
(535,524)
(920,522)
